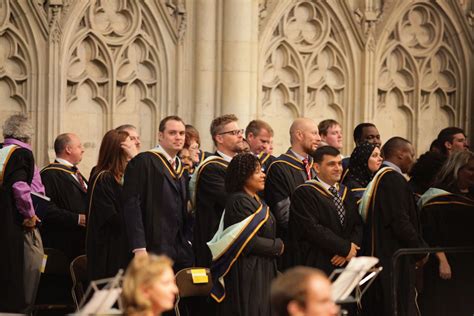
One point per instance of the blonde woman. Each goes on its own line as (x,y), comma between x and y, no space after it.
(149,286)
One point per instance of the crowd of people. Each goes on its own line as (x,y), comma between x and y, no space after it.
(245,214)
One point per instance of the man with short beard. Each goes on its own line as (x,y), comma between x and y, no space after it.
(291,169)
(207,186)
(155,199)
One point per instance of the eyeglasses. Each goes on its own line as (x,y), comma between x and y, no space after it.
(235,132)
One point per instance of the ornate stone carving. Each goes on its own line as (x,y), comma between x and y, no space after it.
(419,78)
(306,69)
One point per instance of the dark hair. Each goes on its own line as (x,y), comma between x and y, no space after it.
(447,135)
(191,134)
(325,125)
(318,154)
(292,286)
(359,130)
(436,146)
(359,164)
(124,127)
(392,145)
(61,142)
(241,167)
(163,122)
(425,169)
(111,155)
(256,126)
(218,123)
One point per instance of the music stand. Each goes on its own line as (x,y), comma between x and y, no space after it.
(361,286)
(104,292)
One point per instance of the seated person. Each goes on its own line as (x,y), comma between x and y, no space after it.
(302,291)
(149,286)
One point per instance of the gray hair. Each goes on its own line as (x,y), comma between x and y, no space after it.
(447,177)
(19,127)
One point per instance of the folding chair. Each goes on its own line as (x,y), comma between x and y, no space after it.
(187,288)
(54,281)
(78,269)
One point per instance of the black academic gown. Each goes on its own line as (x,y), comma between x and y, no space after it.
(154,206)
(283,176)
(266,160)
(315,231)
(392,223)
(210,202)
(447,222)
(60,228)
(248,282)
(106,241)
(19,167)
(355,187)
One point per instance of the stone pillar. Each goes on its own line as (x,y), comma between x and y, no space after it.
(205,61)
(239,56)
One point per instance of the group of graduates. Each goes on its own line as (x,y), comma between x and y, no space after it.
(245,213)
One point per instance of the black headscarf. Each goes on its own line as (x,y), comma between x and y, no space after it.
(358,164)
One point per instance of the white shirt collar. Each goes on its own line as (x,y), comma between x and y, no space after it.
(298,155)
(327,186)
(226,157)
(64,162)
(162,151)
(392,165)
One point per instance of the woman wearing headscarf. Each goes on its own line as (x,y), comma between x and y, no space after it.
(364,162)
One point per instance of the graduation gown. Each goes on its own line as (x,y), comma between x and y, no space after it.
(106,241)
(392,223)
(265,160)
(356,188)
(19,167)
(447,222)
(283,176)
(315,231)
(210,202)
(60,229)
(154,208)
(248,282)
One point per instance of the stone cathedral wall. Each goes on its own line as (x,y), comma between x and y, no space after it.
(86,66)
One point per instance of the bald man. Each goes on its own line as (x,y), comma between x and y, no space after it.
(65,220)
(290,170)
(390,223)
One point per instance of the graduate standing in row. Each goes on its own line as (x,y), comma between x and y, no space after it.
(290,170)
(325,229)
(391,222)
(447,214)
(154,199)
(247,262)
(106,240)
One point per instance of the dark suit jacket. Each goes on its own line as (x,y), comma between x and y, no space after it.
(60,227)
(156,217)
(315,232)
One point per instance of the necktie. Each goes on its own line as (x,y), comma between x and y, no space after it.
(173,164)
(307,168)
(339,205)
(80,180)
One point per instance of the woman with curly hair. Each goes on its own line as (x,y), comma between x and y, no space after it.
(149,286)
(245,247)
(364,162)
(447,214)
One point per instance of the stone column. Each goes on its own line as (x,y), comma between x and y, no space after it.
(205,61)
(239,59)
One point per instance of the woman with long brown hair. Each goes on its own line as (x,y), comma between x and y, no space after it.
(106,241)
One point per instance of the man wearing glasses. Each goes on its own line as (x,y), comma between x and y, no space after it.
(209,195)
